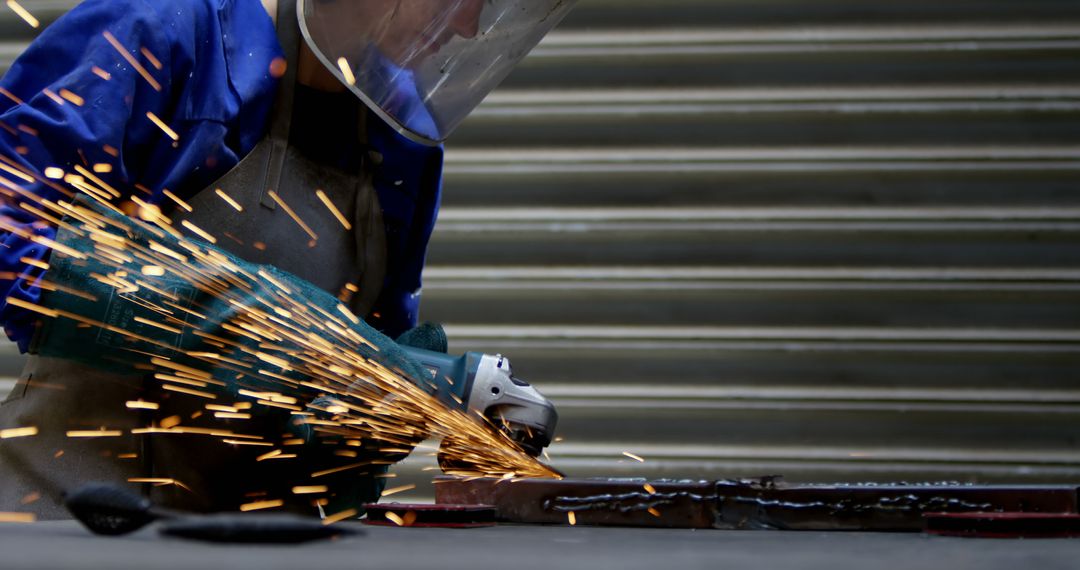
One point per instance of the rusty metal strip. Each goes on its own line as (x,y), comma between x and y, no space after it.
(608,502)
(757,504)
(743,504)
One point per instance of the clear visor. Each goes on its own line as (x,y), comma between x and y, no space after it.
(424,65)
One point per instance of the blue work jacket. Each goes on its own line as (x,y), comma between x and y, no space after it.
(203,70)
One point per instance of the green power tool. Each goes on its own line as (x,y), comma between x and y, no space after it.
(485,384)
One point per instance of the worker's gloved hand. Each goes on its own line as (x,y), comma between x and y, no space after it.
(426,335)
(122,290)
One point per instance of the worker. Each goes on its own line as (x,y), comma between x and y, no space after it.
(220,112)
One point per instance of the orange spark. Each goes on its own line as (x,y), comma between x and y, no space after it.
(310,489)
(171,421)
(232,415)
(333,209)
(17,517)
(150,57)
(189,391)
(242,442)
(30,19)
(346,71)
(634,457)
(277,199)
(52,95)
(131,60)
(397,490)
(199,231)
(158,325)
(278,67)
(11,96)
(95,433)
(177,199)
(159,482)
(259,505)
(72,98)
(228,200)
(34,262)
(338,469)
(268,455)
(161,125)
(141,405)
(348,513)
(32,307)
(18,432)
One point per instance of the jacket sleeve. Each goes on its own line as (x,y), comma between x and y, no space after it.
(73,98)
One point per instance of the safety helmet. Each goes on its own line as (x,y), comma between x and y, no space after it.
(424,65)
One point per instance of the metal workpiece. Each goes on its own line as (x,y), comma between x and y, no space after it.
(745,504)
(768,505)
(603,502)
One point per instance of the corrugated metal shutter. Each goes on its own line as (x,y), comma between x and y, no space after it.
(834,239)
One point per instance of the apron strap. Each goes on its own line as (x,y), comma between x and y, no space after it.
(288,31)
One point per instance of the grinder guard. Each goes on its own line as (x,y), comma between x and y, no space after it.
(484,384)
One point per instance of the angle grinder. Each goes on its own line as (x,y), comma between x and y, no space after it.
(485,384)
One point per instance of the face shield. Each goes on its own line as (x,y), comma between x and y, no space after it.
(424,65)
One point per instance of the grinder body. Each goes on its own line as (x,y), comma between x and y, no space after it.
(485,384)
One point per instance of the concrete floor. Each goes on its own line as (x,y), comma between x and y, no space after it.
(67,545)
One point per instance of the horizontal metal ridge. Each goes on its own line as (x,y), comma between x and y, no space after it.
(853,343)
(790,334)
(694,274)
(577,221)
(853,350)
(525,161)
(661,393)
(607,96)
(457,157)
(1052,456)
(865,32)
(417,469)
(863,38)
(604,214)
(591,104)
(655,285)
(576,400)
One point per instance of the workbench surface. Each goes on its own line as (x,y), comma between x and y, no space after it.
(67,545)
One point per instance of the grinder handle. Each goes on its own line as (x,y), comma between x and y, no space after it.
(451,377)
